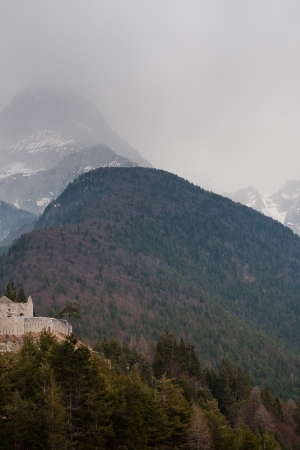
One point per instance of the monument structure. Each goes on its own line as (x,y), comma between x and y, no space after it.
(17,319)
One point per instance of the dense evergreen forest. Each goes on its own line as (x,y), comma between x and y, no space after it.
(142,250)
(135,396)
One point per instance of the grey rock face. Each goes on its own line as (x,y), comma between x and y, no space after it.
(34,191)
(249,197)
(283,206)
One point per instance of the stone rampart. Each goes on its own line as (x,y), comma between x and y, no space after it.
(38,324)
(12,325)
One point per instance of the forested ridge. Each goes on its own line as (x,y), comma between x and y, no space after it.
(135,396)
(143,250)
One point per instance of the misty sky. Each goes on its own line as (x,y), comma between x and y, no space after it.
(200,88)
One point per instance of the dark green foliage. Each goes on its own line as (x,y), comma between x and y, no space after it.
(21,296)
(174,358)
(62,396)
(144,251)
(248,441)
(271,403)
(72,309)
(11,293)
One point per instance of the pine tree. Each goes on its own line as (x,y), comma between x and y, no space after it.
(225,394)
(11,292)
(223,437)
(268,441)
(188,359)
(71,310)
(19,420)
(211,379)
(165,351)
(21,296)
(241,384)
(159,428)
(98,407)
(199,436)
(175,407)
(136,437)
(55,418)
(137,396)
(248,440)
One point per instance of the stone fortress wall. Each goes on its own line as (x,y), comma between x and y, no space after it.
(38,324)
(17,319)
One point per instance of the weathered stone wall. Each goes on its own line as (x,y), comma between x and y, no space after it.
(19,325)
(12,325)
(38,324)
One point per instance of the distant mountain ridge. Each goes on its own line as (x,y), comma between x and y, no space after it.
(14,222)
(283,206)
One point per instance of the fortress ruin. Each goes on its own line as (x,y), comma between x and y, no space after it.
(17,319)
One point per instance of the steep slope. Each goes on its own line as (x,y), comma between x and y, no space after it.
(34,191)
(144,251)
(39,127)
(14,222)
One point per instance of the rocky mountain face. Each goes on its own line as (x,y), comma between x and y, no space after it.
(38,130)
(35,191)
(283,206)
(14,222)
(144,251)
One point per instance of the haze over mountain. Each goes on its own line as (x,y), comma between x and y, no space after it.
(144,251)
(215,81)
(42,126)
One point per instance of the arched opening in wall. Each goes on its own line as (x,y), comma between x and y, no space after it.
(21,315)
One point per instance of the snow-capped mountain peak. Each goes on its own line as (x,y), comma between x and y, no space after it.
(43,140)
(283,206)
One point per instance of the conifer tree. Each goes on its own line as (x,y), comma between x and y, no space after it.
(99,406)
(241,385)
(199,436)
(225,395)
(19,423)
(248,440)
(55,418)
(165,351)
(137,396)
(268,441)
(223,437)
(175,407)
(21,296)
(159,428)
(11,292)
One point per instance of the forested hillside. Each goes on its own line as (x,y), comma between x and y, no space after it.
(64,396)
(144,251)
